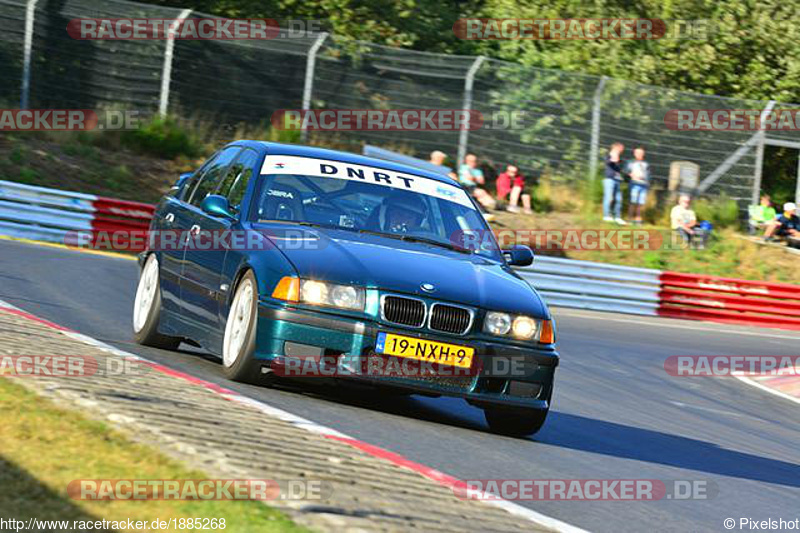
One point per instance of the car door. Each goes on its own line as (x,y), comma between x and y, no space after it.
(173,221)
(203,255)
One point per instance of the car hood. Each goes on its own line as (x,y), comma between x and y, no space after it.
(393,265)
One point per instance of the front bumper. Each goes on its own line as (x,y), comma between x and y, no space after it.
(507,374)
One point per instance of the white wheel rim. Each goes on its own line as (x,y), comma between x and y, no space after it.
(145,293)
(238,323)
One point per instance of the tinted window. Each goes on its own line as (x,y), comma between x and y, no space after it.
(191,183)
(234,185)
(356,205)
(211,177)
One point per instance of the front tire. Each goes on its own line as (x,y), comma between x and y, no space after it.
(239,342)
(515,422)
(147,309)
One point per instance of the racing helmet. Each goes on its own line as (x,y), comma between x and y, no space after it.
(404,212)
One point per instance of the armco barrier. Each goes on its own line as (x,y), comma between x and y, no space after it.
(52,215)
(602,287)
(597,286)
(735,301)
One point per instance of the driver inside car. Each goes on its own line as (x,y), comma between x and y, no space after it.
(405,213)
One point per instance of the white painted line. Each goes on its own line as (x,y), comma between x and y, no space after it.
(758,385)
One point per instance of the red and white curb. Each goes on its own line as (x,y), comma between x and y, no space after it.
(313,427)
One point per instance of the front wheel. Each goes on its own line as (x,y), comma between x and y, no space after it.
(239,342)
(147,309)
(515,422)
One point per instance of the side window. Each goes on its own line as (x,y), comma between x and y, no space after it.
(211,177)
(189,186)
(238,176)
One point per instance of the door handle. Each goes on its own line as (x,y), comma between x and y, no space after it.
(170,217)
(195,230)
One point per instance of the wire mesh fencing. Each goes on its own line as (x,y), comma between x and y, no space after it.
(545,121)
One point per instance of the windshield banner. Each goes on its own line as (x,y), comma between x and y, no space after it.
(326,168)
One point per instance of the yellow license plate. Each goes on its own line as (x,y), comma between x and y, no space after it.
(424,350)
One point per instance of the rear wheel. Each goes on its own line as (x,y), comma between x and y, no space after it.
(147,309)
(514,422)
(239,342)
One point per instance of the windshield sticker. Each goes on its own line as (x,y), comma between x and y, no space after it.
(326,168)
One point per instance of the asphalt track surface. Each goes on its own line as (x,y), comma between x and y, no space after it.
(616,413)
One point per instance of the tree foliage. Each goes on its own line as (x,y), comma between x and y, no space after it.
(750,52)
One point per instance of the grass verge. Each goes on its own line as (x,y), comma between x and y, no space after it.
(43,448)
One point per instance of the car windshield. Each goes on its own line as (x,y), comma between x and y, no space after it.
(356,198)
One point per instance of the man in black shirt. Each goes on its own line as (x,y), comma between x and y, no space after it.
(786,225)
(612,185)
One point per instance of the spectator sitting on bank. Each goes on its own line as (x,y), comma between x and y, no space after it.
(438,158)
(684,221)
(472,178)
(761,215)
(785,225)
(612,185)
(639,171)
(512,183)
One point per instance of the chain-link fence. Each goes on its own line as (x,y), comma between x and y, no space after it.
(567,119)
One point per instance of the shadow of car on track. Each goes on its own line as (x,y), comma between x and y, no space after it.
(619,440)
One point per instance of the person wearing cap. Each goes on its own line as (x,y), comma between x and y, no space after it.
(785,225)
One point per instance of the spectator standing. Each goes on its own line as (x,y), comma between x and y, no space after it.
(786,225)
(639,171)
(612,185)
(471,177)
(512,183)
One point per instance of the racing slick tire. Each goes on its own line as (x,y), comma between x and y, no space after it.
(239,341)
(147,309)
(514,422)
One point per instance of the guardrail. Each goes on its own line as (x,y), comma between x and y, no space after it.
(641,291)
(66,217)
(54,215)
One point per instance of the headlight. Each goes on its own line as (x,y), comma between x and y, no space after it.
(497,323)
(320,293)
(520,327)
(341,296)
(525,327)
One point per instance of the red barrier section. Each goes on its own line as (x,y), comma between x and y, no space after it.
(124,208)
(116,221)
(728,300)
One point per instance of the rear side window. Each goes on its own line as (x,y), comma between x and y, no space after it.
(212,175)
(234,185)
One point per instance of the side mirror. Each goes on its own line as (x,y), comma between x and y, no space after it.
(182,179)
(518,255)
(216,205)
